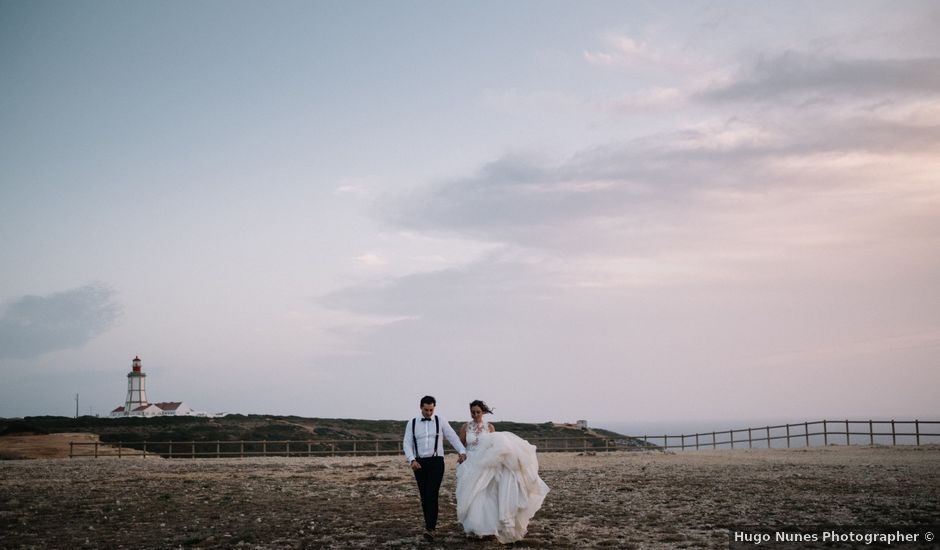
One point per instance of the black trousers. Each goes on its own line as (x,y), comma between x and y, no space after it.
(429,478)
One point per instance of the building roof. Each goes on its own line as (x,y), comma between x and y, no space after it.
(170,406)
(118,410)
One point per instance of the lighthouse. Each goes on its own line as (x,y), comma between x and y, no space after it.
(136,388)
(136,404)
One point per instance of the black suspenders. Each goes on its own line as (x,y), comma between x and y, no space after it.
(437,434)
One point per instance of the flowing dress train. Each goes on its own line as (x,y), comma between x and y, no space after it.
(498,486)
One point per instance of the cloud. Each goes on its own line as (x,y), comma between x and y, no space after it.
(632,197)
(361,187)
(425,294)
(653,98)
(514,101)
(34,325)
(370,260)
(720,245)
(628,52)
(360,191)
(797,74)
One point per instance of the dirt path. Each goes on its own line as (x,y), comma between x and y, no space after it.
(14,447)
(621,500)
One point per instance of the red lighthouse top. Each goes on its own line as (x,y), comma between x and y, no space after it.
(136,364)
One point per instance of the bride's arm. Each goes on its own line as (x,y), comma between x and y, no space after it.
(463,434)
(492,428)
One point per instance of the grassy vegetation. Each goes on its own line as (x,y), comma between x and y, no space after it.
(237,427)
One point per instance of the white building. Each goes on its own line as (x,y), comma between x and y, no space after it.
(177,408)
(146,411)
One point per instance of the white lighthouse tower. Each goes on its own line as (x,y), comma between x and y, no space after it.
(136,388)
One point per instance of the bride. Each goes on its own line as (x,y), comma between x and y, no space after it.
(498,486)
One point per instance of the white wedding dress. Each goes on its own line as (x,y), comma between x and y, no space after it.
(498,486)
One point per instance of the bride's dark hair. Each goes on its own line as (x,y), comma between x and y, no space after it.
(483,406)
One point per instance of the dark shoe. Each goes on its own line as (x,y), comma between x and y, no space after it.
(429,535)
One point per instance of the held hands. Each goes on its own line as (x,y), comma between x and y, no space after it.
(461,458)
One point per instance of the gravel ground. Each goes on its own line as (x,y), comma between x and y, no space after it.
(617,500)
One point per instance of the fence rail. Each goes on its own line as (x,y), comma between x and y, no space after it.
(805,434)
(319,447)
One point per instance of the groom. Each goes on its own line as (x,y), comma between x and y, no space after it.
(424,448)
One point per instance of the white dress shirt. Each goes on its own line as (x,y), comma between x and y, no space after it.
(424,434)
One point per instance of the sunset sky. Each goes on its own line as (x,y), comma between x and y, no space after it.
(616,211)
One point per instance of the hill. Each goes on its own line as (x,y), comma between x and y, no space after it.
(273,428)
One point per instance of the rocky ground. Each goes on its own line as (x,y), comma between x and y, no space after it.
(619,500)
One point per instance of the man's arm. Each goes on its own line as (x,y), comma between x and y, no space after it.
(454,439)
(408,443)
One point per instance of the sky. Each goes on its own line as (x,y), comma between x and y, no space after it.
(612,211)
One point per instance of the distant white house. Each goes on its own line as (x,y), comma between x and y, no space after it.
(582,424)
(146,410)
(177,408)
(136,403)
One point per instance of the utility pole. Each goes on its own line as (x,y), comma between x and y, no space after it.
(76,405)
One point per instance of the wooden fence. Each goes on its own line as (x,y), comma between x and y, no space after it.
(319,447)
(806,434)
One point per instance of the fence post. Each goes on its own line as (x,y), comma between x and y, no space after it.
(120,444)
(170,453)
(665,442)
(825,434)
(894,436)
(750,439)
(848,442)
(696,442)
(332,448)
(192,449)
(355,451)
(683,442)
(264,448)
(241,449)
(376,447)
(714,442)
(788,436)
(731,437)
(96,449)
(917,431)
(871,432)
(768,437)
(308,448)
(806,432)
(145,450)
(71,449)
